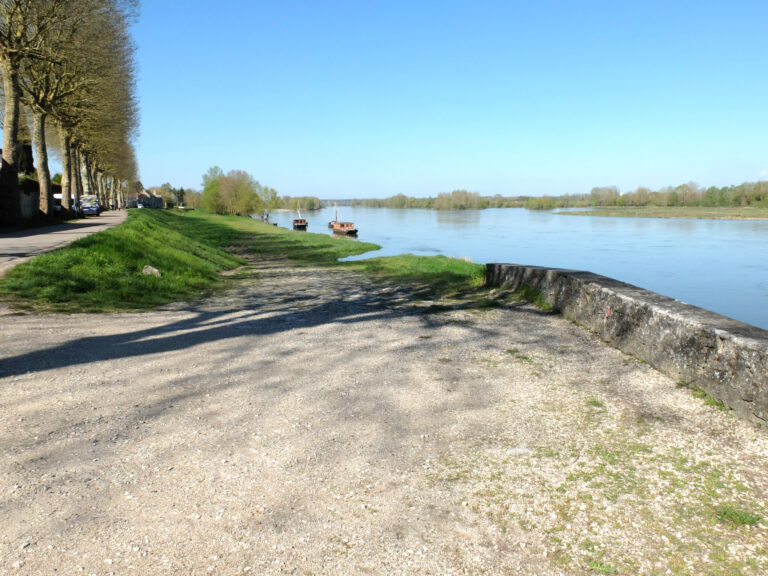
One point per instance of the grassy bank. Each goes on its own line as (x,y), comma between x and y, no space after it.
(103,272)
(438,275)
(698,212)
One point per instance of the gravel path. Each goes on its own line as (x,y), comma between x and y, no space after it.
(310,422)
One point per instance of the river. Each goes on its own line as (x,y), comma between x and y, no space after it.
(721,265)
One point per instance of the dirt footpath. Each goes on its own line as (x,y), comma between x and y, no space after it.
(310,422)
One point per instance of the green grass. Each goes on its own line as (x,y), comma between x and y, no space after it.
(103,271)
(437,275)
(708,400)
(534,296)
(595,402)
(737,516)
(600,567)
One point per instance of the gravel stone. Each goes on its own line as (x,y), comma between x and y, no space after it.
(310,421)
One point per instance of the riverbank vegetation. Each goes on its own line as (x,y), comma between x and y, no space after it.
(743,196)
(456,200)
(237,193)
(690,195)
(700,212)
(104,272)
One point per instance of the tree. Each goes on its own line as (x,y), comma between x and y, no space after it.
(239,194)
(604,195)
(98,117)
(192,198)
(23,28)
(211,197)
(72,61)
(270,201)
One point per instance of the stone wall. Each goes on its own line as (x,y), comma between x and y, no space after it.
(726,358)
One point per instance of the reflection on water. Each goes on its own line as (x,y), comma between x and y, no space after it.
(457,218)
(720,265)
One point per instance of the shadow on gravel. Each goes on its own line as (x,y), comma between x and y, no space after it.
(253,317)
(203,327)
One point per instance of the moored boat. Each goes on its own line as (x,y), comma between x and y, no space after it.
(342,228)
(300,223)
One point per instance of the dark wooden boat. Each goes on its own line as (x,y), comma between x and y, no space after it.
(300,223)
(342,228)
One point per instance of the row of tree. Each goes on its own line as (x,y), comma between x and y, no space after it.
(690,194)
(456,200)
(70,62)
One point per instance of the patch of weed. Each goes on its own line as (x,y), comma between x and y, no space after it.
(534,296)
(730,513)
(595,402)
(600,567)
(708,400)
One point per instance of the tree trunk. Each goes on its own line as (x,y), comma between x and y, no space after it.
(114,201)
(66,169)
(120,193)
(100,186)
(10,200)
(85,175)
(43,172)
(77,180)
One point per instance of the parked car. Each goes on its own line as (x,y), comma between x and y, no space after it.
(57,207)
(89,205)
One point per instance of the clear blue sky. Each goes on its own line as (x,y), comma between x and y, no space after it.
(359,98)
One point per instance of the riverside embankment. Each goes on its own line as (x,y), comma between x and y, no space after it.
(311,421)
(725,358)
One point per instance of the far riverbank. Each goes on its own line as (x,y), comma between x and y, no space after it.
(697,212)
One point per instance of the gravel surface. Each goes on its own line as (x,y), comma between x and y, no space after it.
(311,422)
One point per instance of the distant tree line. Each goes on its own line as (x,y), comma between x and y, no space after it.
(456,200)
(690,195)
(300,202)
(71,63)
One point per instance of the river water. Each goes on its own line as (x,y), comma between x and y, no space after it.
(721,265)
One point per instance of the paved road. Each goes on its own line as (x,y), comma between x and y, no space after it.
(16,247)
